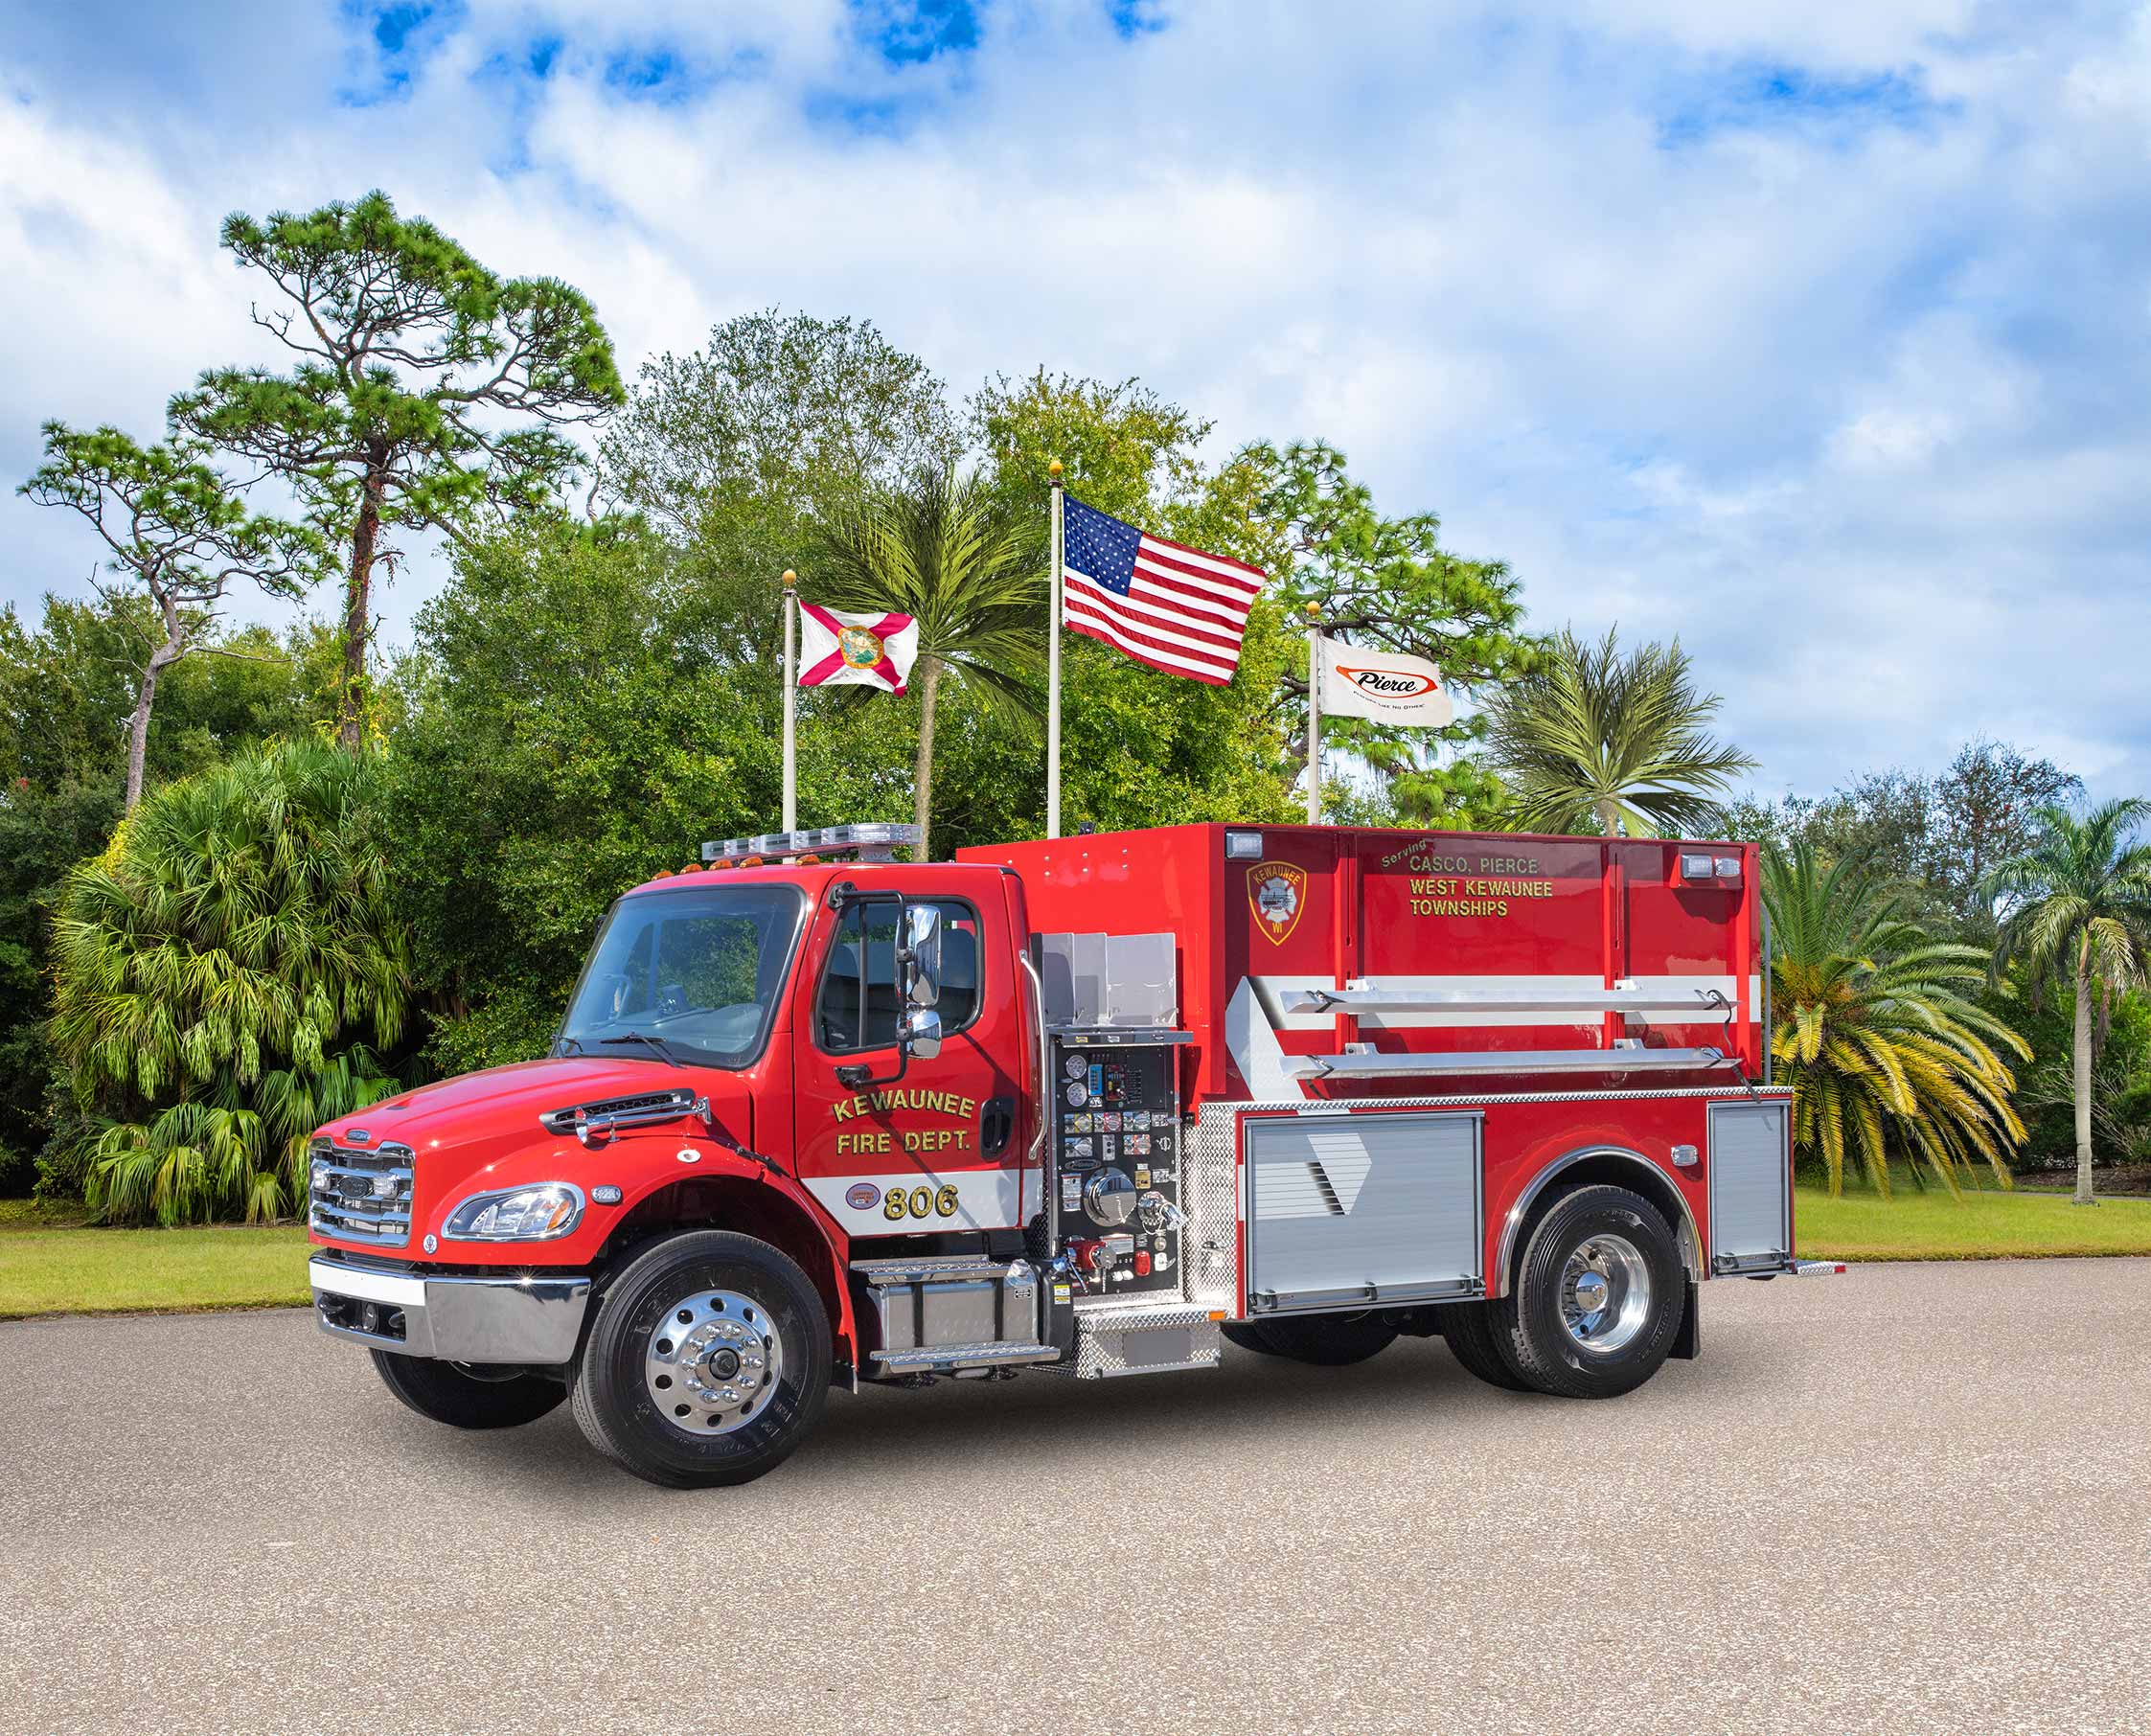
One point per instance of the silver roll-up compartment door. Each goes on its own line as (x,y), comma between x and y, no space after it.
(1359,1210)
(1751,1178)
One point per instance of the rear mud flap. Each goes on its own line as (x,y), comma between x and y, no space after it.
(1687,1342)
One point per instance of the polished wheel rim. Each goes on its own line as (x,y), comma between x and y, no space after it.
(1605,1294)
(713,1361)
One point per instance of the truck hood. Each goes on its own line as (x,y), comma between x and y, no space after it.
(509,1100)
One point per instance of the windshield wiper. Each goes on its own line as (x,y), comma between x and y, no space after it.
(658,1044)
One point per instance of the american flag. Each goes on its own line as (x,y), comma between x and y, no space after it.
(1164,604)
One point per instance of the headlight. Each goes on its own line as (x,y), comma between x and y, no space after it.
(523,1214)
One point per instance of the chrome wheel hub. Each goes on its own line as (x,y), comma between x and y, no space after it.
(713,1361)
(1605,1294)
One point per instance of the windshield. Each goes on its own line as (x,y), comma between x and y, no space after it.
(698,971)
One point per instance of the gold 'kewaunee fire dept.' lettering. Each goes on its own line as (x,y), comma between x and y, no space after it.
(940,1103)
(866,1141)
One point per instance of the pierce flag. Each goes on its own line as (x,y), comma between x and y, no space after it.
(1387,687)
(1174,608)
(840,647)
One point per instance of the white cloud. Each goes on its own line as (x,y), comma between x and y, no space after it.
(1891,440)
(1816,335)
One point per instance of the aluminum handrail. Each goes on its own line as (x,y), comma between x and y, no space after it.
(1050,1194)
(1501,1000)
(1374,1066)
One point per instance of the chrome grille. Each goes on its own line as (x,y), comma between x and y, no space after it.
(361,1195)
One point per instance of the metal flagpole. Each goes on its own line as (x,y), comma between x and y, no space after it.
(1053,671)
(1314,714)
(790,702)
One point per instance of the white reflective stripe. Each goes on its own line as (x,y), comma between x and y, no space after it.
(1727,984)
(985,1199)
(368,1286)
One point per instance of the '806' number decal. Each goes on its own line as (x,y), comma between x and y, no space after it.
(900,1203)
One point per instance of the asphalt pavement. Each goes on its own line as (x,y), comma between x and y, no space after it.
(1912,1499)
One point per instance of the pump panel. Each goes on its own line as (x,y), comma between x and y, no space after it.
(1116,1161)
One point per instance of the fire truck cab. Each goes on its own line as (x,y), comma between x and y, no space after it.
(1091,1106)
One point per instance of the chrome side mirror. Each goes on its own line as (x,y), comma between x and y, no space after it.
(921,956)
(922,1033)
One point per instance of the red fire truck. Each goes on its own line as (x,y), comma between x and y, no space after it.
(1091,1107)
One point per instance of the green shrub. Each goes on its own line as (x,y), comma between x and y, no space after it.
(216,971)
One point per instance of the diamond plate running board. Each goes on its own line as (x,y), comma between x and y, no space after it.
(936,1358)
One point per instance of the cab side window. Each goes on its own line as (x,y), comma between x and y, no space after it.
(857,1007)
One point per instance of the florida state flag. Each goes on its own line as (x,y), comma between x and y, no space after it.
(838,648)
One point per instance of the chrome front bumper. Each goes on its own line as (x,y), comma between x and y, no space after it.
(458,1319)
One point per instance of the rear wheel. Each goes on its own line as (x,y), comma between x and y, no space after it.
(467,1395)
(1469,1331)
(1321,1340)
(708,1364)
(1599,1296)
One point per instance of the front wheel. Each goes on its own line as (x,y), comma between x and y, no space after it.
(708,1364)
(1598,1297)
(467,1395)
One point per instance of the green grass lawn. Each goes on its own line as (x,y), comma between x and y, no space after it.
(49,1269)
(1987,1224)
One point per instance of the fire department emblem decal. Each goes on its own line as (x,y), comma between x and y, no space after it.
(1277,893)
(862,1195)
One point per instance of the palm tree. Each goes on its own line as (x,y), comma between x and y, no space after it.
(945,552)
(213,970)
(1875,1029)
(1595,742)
(2079,909)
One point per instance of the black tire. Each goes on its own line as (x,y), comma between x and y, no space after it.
(1320,1340)
(1247,1334)
(1469,1331)
(466,1397)
(610,1387)
(1647,1297)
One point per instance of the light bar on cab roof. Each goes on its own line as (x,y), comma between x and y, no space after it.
(870,841)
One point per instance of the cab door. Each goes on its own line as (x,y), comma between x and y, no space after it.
(891,1145)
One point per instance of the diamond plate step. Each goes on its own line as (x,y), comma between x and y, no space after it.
(935,1357)
(1186,1334)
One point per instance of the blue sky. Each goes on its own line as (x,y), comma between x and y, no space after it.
(1820,337)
